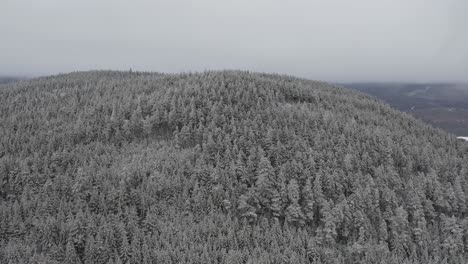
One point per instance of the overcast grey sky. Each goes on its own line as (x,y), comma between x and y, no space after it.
(333,40)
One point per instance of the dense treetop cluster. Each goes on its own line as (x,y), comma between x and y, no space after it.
(222,167)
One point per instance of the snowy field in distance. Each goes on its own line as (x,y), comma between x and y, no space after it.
(465,138)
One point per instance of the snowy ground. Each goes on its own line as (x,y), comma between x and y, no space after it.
(465,138)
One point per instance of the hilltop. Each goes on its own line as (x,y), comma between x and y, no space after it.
(222,167)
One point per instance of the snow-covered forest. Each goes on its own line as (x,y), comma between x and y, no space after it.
(222,167)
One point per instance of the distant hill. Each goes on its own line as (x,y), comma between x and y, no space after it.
(443,105)
(10,79)
(222,167)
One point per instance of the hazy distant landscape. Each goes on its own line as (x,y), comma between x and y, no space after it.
(444,105)
(10,79)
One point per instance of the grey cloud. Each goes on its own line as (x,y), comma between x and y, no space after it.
(387,40)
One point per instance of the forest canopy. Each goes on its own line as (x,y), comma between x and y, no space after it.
(222,167)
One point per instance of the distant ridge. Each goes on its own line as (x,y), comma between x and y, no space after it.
(10,79)
(443,105)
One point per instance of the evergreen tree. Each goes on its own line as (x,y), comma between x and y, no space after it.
(293,212)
